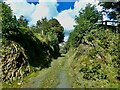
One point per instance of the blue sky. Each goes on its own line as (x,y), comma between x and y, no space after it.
(65,5)
(34,2)
(64,12)
(61,5)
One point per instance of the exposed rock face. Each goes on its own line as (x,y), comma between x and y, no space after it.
(14,62)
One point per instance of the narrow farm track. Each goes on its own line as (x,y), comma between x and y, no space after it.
(53,77)
(63,83)
(35,82)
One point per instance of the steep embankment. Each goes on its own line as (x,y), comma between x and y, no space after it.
(94,51)
(95,62)
(23,53)
(26,49)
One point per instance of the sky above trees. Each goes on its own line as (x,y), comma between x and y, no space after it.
(64,12)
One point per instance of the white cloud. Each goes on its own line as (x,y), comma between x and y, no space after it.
(21,7)
(34,12)
(44,9)
(66,19)
(49,10)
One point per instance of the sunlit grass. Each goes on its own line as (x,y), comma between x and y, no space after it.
(52,78)
(15,84)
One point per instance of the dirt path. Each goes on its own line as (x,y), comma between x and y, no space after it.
(63,80)
(56,73)
(35,82)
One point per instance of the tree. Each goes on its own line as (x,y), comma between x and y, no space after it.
(33,28)
(85,23)
(90,14)
(43,26)
(22,21)
(9,22)
(115,6)
(86,19)
(57,28)
(38,24)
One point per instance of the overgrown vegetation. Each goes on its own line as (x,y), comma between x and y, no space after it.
(93,50)
(95,53)
(27,49)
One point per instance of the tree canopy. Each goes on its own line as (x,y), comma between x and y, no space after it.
(85,22)
(115,6)
(9,21)
(45,27)
(57,28)
(22,21)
